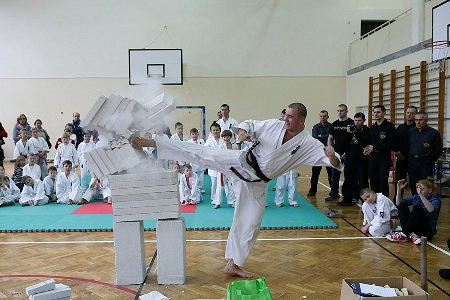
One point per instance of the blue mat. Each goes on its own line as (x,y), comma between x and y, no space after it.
(58,217)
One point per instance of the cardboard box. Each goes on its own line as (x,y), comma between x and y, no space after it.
(416,293)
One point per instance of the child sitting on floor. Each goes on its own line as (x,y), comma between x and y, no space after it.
(50,184)
(15,191)
(18,172)
(68,190)
(31,168)
(33,192)
(377,210)
(97,188)
(189,193)
(6,196)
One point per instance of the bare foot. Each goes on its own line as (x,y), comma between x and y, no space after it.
(232,269)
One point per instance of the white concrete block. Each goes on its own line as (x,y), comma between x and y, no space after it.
(145,203)
(154,174)
(40,287)
(89,117)
(146,197)
(171,247)
(100,164)
(112,159)
(108,109)
(145,190)
(145,210)
(60,291)
(93,164)
(104,158)
(150,216)
(146,182)
(129,252)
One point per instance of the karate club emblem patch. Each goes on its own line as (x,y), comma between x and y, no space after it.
(426,145)
(382,135)
(295,150)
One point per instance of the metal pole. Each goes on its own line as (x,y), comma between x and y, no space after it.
(423,264)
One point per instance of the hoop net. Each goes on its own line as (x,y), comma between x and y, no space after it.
(440,49)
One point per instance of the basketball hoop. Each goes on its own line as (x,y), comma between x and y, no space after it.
(440,51)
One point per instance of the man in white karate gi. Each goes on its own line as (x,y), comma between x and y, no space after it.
(278,146)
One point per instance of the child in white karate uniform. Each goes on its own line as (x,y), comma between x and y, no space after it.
(6,196)
(378,210)
(229,193)
(189,193)
(197,169)
(15,191)
(287,180)
(21,148)
(216,183)
(85,146)
(66,151)
(178,136)
(68,188)
(97,188)
(33,192)
(32,169)
(50,184)
(39,147)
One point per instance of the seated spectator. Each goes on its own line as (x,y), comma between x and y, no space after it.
(12,186)
(189,193)
(3,134)
(21,148)
(68,189)
(18,172)
(22,123)
(72,137)
(42,132)
(422,219)
(33,192)
(50,184)
(6,196)
(98,189)
(31,168)
(377,210)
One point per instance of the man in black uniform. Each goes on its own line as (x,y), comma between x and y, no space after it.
(338,138)
(356,163)
(320,131)
(425,147)
(401,149)
(382,137)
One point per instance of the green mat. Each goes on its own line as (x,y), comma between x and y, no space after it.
(58,217)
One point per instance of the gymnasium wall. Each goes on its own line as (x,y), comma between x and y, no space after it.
(59,56)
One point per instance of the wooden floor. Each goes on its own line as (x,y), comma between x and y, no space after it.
(305,264)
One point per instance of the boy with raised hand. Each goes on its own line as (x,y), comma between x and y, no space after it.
(50,184)
(33,192)
(68,189)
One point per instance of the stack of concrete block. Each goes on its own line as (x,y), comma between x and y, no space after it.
(48,290)
(119,114)
(148,196)
(171,247)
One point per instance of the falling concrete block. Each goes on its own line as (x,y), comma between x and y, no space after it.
(60,291)
(89,118)
(147,216)
(40,287)
(130,252)
(171,247)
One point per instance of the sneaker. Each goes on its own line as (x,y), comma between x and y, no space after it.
(294,205)
(278,205)
(330,198)
(414,238)
(397,237)
(311,194)
(216,206)
(345,203)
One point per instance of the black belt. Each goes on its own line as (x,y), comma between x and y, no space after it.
(251,160)
(420,156)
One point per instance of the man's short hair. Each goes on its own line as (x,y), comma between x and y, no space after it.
(383,109)
(193,130)
(225,105)
(178,124)
(323,111)
(413,107)
(214,124)
(344,106)
(67,162)
(302,111)
(52,168)
(226,133)
(424,114)
(360,115)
